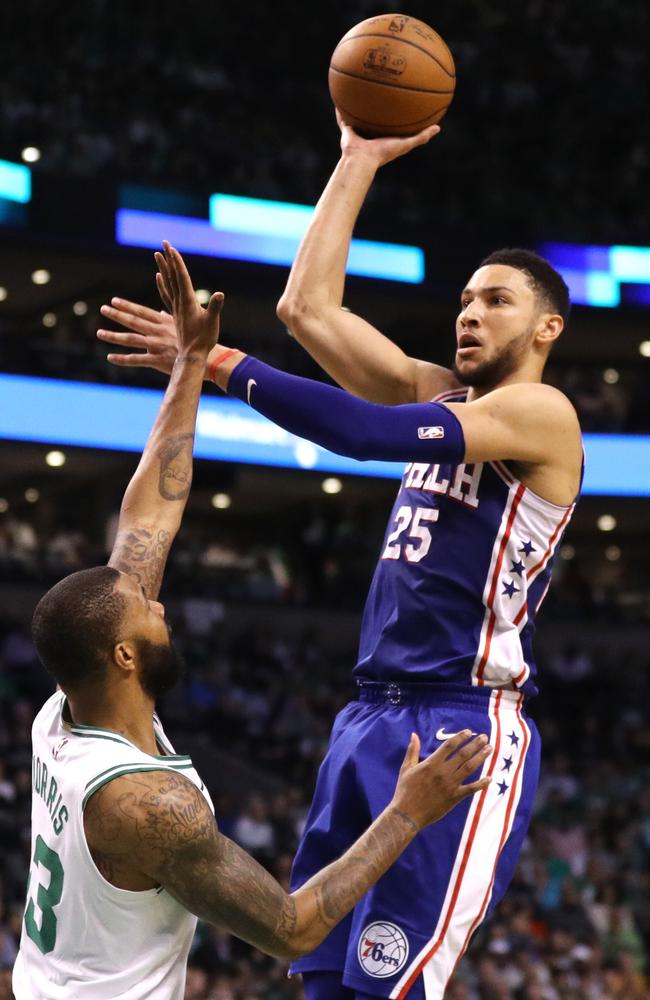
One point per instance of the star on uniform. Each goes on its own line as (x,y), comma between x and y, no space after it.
(527,548)
(503,788)
(509,589)
(517,567)
(514,739)
(507,763)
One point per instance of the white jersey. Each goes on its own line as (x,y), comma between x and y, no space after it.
(83,937)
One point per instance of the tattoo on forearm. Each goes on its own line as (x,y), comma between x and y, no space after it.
(336,897)
(142,552)
(175,456)
(338,888)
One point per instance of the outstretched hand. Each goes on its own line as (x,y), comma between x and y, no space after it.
(385,148)
(197,329)
(427,790)
(151,333)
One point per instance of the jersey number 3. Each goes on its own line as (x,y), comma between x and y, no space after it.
(419,534)
(47,898)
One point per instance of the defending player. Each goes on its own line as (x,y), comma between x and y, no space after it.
(494,469)
(125,848)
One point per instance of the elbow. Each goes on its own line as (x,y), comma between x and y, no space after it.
(287,310)
(300,313)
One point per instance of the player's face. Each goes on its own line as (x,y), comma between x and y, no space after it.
(496,325)
(159,664)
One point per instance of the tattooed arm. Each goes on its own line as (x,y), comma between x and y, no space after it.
(155,828)
(155,498)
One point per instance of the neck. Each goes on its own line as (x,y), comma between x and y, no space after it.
(526,374)
(128,713)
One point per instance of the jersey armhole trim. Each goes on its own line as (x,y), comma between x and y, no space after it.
(122,769)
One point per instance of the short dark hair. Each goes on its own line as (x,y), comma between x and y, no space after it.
(547,283)
(76,625)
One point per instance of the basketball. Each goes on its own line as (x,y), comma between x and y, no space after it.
(391,75)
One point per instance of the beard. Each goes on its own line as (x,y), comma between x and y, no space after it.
(161,667)
(495,370)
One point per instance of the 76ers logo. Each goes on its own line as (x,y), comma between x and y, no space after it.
(383,949)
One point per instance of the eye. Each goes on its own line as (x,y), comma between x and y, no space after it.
(499,300)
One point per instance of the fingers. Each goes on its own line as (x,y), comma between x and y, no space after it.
(121,339)
(422,137)
(215,305)
(475,786)
(168,282)
(164,291)
(428,133)
(131,360)
(139,317)
(182,277)
(472,756)
(464,753)
(454,743)
(412,755)
(131,321)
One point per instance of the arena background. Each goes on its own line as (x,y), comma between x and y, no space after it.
(155,107)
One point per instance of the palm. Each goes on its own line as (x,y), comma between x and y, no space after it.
(385,148)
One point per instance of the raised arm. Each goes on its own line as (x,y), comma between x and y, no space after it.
(351,350)
(155,498)
(160,825)
(354,353)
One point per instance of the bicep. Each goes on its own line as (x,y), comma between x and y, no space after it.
(162,823)
(523,423)
(356,354)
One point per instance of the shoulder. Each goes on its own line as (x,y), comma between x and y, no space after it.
(526,422)
(149,817)
(531,402)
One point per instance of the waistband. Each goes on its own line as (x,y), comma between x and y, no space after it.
(423,693)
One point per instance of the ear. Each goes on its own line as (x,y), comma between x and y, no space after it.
(549,329)
(124,656)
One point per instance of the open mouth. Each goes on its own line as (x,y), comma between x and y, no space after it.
(467,343)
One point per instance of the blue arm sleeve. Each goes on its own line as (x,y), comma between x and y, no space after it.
(345,424)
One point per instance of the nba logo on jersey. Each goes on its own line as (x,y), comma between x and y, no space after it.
(429,433)
(58,747)
(383,949)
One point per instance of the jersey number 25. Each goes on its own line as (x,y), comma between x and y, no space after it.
(419,534)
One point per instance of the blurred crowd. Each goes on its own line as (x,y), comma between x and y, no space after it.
(575,924)
(225,100)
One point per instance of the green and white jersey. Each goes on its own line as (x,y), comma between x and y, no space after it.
(82,937)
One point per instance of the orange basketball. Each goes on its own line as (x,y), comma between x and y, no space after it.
(392,75)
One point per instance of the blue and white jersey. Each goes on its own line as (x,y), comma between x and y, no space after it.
(465,565)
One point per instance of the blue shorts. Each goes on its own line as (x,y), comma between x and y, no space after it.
(408,933)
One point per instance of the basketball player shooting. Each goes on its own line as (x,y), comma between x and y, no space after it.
(494,468)
(126,851)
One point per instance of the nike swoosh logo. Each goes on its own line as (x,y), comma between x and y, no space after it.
(442,735)
(249,388)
